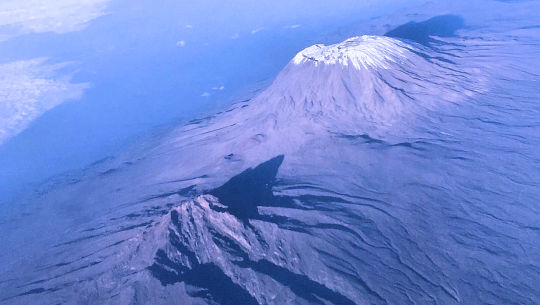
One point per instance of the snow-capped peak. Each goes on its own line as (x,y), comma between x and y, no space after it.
(362,52)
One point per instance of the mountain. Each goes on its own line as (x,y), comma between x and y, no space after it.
(347,181)
(372,84)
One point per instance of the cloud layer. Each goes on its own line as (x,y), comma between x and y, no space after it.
(18,17)
(28,89)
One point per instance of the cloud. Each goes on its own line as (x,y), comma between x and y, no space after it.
(205,94)
(189,26)
(181,43)
(257,30)
(235,36)
(220,88)
(18,17)
(294,26)
(28,89)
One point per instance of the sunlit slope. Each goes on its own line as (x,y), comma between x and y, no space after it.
(379,170)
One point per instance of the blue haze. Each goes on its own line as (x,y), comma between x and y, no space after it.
(141,80)
(399,163)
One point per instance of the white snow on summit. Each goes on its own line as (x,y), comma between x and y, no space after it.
(361,52)
(373,85)
(311,192)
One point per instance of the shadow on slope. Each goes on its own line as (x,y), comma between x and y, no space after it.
(208,280)
(249,189)
(421,32)
(241,195)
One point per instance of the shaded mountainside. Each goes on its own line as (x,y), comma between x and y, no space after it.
(379,170)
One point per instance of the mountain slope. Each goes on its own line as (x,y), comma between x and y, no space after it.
(372,171)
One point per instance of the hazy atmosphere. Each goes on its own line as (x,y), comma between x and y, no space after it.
(83,78)
(269,152)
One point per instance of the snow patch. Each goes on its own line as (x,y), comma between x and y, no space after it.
(362,52)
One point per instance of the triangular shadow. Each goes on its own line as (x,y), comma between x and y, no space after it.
(243,193)
(421,32)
